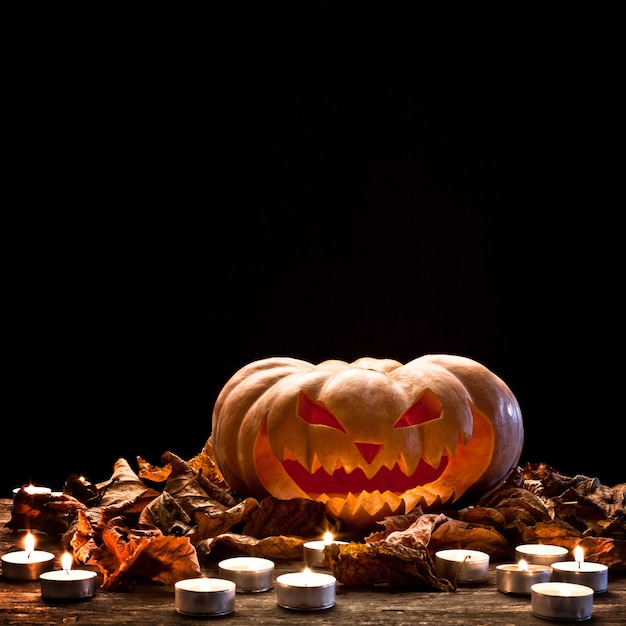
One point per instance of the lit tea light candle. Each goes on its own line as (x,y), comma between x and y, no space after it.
(306,590)
(561,601)
(68,583)
(204,596)
(33,490)
(581,572)
(314,551)
(249,573)
(541,553)
(519,577)
(27,564)
(462,566)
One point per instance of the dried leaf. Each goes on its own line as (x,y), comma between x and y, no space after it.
(51,514)
(190,486)
(216,520)
(382,563)
(123,552)
(166,515)
(297,516)
(451,534)
(82,541)
(275,547)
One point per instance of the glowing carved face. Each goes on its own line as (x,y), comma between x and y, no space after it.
(370,443)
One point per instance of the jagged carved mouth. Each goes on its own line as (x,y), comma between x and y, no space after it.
(339,483)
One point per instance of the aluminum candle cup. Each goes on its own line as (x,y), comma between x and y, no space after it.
(22,565)
(561,601)
(314,552)
(71,584)
(27,564)
(249,573)
(515,578)
(594,575)
(306,591)
(462,566)
(204,596)
(541,553)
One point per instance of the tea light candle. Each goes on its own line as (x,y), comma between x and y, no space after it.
(68,583)
(314,550)
(249,573)
(33,490)
(463,566)
(519,577)
(27,564)
(204,596)
(579,571)
(306,590)
(561,601)
(541,553)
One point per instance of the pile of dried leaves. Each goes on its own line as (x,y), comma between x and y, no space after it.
(162,523)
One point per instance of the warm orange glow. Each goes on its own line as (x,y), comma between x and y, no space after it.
(328,537)
(523,565)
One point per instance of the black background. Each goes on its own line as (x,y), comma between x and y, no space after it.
(186,194)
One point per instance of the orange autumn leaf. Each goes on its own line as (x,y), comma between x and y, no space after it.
(50,513)
(127,553)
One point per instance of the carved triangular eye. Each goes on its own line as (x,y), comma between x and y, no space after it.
(425,409)
(314,412)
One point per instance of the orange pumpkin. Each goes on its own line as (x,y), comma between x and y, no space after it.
(369,438)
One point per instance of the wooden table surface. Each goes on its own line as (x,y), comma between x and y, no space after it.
(151,603)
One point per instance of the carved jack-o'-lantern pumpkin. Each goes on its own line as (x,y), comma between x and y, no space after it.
(369,438)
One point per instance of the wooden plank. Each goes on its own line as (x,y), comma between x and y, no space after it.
(151,603)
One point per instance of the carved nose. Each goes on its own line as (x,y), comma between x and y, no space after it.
(368,450)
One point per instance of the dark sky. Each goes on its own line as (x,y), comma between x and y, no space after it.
(185,200)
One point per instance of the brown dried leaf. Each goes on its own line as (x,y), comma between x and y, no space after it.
(608,551)
(123,552)
(370,564)
(51,514)
(275,547)
(153,473)
(81,489)
(124,485)
(213,520)
(298,516)
(518,506)
(166,515)
(190,486)
(453,534)
(82,541)
(394,523)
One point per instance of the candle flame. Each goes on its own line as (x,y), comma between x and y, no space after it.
(328,537)
(306,576)
(579,555)
(29,544)
(205,584)
(66,562)
(523,565)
